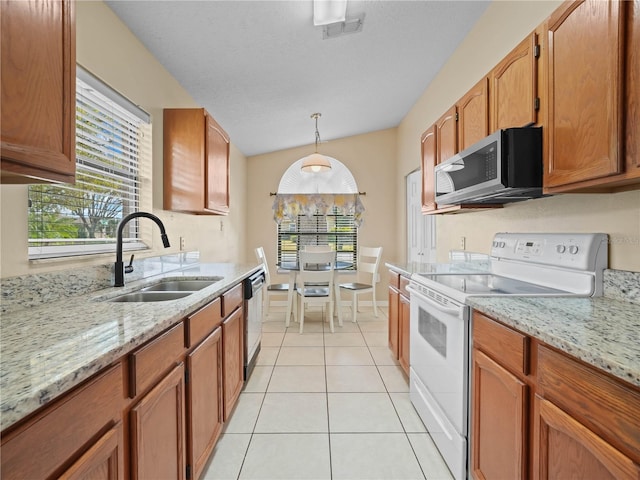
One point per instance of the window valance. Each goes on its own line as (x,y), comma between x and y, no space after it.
(289,205)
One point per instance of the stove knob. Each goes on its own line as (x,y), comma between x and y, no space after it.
(573,249)
(560,248)
(502,244)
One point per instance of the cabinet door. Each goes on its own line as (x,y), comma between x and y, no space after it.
(217,168)
(473,115)
(447,135)
(184,150)
(514,87)
(233,359)
(499,430)
(204,397)
(585,92)
(38,91)
(403,334)
(429,154)
(632,91)
(394,321)
(564,448)
(103,460)
(157,430)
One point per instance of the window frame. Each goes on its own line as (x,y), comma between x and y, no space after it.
(334,238)
(115,105)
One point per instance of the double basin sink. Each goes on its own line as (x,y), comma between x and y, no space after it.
(165,290)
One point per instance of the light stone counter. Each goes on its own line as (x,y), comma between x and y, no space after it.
(48,349)
(603,332)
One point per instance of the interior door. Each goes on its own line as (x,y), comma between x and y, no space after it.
(421,243)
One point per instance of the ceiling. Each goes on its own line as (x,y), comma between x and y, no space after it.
(261,68)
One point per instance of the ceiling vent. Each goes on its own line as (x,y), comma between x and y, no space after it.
(338,29)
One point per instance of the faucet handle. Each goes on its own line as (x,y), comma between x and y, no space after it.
(129,268)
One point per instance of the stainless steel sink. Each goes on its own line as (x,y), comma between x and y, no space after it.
(181,285)
(150,296)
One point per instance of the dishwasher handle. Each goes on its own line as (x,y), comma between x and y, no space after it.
(253,283)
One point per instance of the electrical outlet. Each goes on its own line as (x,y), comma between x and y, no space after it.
(463,243)
(182,243)
(221,225)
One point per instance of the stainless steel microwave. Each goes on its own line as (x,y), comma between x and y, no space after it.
(504,167)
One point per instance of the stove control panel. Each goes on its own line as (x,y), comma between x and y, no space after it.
(580,251)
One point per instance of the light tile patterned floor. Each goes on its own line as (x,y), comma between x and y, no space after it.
(326,406)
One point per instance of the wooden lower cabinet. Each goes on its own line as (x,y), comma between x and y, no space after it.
(394,321)
(399,313)
(233,359)
(403,333)
(205,400)
(499,429)
(103,461)
(77,436)
(564,448)
(157,430)
(540,413)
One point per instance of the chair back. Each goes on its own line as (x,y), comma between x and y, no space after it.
(369,262)
(262,258)
(317,268)
(316,248)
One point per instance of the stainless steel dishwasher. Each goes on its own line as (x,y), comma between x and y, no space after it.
(253,304)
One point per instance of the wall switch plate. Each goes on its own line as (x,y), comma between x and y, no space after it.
(463,243)
(182,243)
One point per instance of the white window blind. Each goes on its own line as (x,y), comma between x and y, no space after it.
(113,156)
(338,231)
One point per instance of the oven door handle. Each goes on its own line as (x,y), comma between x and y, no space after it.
(452,311)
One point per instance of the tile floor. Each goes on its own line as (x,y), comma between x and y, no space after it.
(326,406)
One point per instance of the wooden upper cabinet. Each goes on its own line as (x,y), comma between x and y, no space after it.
(632,90)
(585,92)
(447,135)
(428,162)
(37,104)
(514,87)
(196,163)
(473,115)
(217,180)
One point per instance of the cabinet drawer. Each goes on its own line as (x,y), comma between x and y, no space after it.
(203,322)
(155,358)
(231,300)
(46,443)
(606,406)
(501,342)
(404,282)
(394,279)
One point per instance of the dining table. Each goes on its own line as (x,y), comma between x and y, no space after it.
(292,268)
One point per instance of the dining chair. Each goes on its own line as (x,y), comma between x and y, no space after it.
(272,288)
(316,248)
(315,283)
(367,266)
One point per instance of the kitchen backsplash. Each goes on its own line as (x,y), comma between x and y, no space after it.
(622,285)
(33,290)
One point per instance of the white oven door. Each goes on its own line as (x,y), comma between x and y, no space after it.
(438,387)
(439,352)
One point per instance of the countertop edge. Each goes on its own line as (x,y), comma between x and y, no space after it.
(14,410)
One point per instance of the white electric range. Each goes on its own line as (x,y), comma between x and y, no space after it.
(522,264)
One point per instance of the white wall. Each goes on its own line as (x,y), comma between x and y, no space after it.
(110,51)
(502,27)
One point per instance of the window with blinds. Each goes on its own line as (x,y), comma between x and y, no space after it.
(113,155)
(338,231)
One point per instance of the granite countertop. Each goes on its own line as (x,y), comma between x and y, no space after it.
(603,332)
(49,349)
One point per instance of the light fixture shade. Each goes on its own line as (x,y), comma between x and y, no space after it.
(315,163)
(329,11)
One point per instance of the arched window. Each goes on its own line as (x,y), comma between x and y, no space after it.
(318,209)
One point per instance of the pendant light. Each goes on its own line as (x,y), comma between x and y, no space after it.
(316,163)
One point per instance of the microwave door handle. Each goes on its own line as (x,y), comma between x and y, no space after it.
(451,311)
